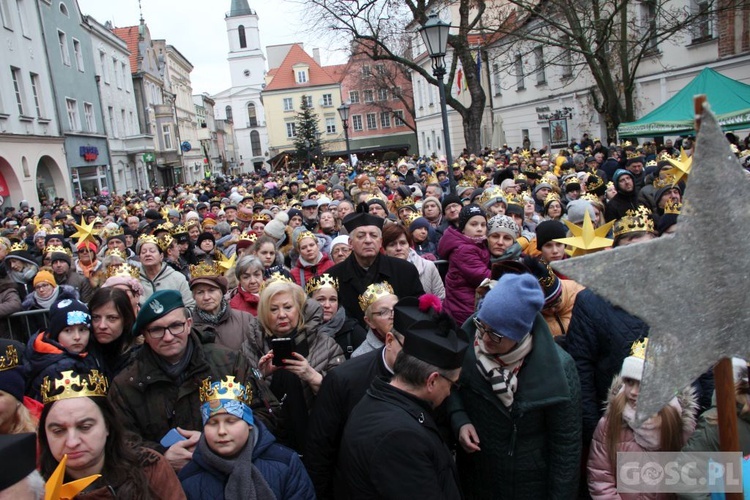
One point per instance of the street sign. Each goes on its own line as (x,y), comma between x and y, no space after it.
(149,157)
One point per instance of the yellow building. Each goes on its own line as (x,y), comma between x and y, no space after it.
(298,75)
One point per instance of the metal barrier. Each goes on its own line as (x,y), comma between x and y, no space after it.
(22,325)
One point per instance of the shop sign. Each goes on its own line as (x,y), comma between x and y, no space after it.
(89,153)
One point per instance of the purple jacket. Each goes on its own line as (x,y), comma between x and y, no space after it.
(468,266)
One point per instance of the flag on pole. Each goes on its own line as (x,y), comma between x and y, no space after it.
(459,78)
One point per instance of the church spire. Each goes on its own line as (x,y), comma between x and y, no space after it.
(240,8)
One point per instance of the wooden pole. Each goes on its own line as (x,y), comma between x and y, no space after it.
(726,405)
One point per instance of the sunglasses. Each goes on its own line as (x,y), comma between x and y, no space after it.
(486,331)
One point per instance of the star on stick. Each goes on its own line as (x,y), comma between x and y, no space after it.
(85,232)
(680,168)
(56,490)
(585,238)
(225,264)
(688,287)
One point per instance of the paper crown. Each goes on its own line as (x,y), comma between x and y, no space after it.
(19,246)
(634,221)
(124,270)
(407,202)
(275,278)
(10,359)
(317,282)
(551,197)
(491,193)
(165,241)
(116,252)
(205,270)
(179,229)
(56,230)
(626,144)
(228,388)
(115,232)
(373,293)
(252,237)
(638,349)
(305,234)
(259,217)
(673,207)
(667,181)
(596,184)
(147,238)
(68,386)
(633,154)
(165,226)
(591,198)
(57,249)
(572,180)
(411,218)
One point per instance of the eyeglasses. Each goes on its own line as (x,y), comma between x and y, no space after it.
(485,331)
(42,286)
(175,329)
(384,313)
(454,383)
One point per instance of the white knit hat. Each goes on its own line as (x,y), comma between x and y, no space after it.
(632,366)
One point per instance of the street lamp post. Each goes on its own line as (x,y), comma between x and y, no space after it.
(344,114)
(435,35)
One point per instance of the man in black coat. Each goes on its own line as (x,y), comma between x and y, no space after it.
(366,265)
(339,393)
(391,446)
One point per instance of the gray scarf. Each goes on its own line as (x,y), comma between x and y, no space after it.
(245,480)
(177,371)
(47,303)
(24,276)
(333,325)
(213,319)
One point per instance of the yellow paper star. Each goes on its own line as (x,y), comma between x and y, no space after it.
(85,232)
(56,490)
(226,263)
(680,168)
(585,238)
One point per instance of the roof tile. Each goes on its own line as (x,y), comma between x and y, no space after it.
(284,74)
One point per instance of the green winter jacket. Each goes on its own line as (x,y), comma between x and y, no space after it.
(533,449)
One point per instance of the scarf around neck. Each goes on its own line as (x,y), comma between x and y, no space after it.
(333,325)
(501,370)
(213,319)
(47,303)
(648,435)
(512,253)
(244,480)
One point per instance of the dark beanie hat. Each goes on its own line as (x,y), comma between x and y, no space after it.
(294,212)
(203,237)
(467,213)
(549,230)
(67,312)
(449,199)
(20,461)
(11,376)
(666,221)
(511,306)
(419,222)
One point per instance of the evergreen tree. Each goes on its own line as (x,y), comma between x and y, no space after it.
(307,141)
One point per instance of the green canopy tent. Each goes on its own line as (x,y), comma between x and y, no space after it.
(729,100)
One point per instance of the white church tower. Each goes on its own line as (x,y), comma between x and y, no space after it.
(241,103)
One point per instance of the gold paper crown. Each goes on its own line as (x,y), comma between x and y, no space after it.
(19,246)
(573,179)
(116,252)
(275,278)
(638,349)
(97,220)
(205,270)
(633,154)
(411,218)
(165,241)
(165,226)
(373,293)
(260,218)
(651,163)
(124,270)
(115,232)
(179,229)
(664,156)
(192,223)
(591,198)
(521,178)
(552,196)
(489,194)
(57,249)
(626,144)
(673,207)
(10,359)
(515,199)
(406,202)
(252,237)
(667,181)
(56,230)
(317,282)
(147,238)
(68,386)
(550,178)
(228,388)
(306,234)
(634,221)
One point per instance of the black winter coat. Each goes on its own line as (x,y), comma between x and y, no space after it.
(339,393)
(392,449)
(533,449)
(354,280)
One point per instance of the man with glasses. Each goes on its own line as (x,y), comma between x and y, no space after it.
(159,391)
(366,265)
(517,414)
(391,446)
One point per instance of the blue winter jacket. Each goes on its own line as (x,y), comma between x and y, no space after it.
(280,466)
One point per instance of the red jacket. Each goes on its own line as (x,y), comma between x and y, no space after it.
(302,274)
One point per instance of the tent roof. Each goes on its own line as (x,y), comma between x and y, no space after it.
(729,100)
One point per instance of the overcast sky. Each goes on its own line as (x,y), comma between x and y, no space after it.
(197,29)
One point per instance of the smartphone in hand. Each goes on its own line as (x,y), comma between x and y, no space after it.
(282,349)
(171,437)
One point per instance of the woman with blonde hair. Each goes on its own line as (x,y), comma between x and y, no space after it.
(284,312)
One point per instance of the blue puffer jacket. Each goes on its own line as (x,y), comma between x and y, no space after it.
(281,468)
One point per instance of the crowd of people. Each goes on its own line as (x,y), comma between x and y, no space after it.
(341,332)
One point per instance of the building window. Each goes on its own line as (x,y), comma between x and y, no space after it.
(63,42)
(368,96)
(252,117)
(308,100)
(125,124)
(18,88)
(396,93)
(72,107)
(124,70)
(354,96)
(385,119)
(357,123)
(88,117)
(103,62)
(291,130)
(112,122)
(166,132)
(35,88)
(398,118)
(703,28)
(648,20)
(382,94)
(255,143)
(567,59)
(21,4)
(380,69)
(118,73)
(330,125)
(288,104)
(541,77)
(372,121)
(5,14)
(228,111)
(63,10)
(302,76)
(243,40)
(366,71)
(327,100)
(497,83)
(520,84)
(79,54)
